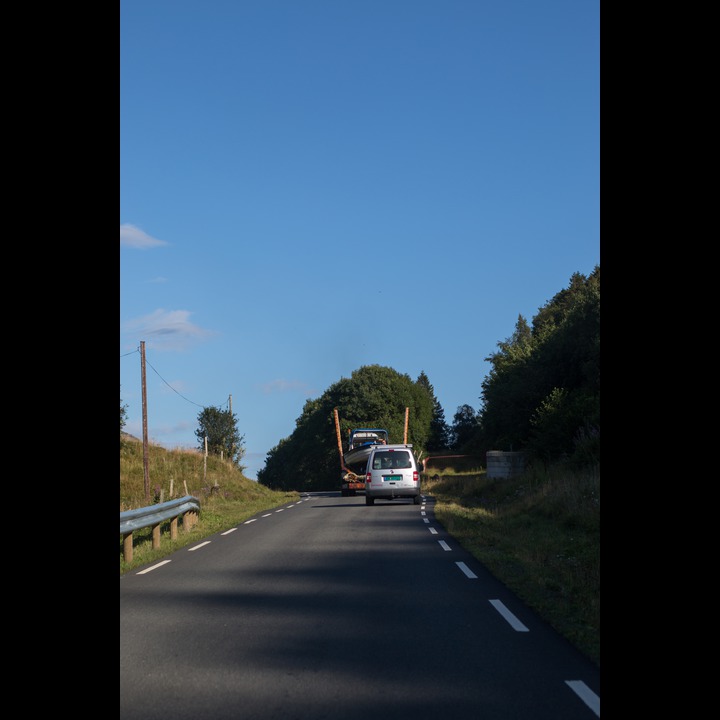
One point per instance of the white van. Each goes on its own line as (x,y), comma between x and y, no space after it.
(391,473)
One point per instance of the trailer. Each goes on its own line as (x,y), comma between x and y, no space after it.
(353,459)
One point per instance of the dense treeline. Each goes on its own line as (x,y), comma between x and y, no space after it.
(542,396)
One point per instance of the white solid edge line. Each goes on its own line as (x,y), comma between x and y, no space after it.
(514,622)
(585,694)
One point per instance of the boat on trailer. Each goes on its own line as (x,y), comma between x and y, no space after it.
(360,442)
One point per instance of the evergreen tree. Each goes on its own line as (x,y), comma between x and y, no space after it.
(510,391)
(439,438)
(465,425)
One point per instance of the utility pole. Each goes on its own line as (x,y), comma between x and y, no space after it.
(146,473)
(205,454)
(232,445)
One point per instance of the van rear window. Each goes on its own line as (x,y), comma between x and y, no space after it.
(391,460)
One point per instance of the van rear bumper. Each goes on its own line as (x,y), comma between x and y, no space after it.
(391,492)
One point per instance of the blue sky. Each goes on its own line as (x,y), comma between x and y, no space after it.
(289,165)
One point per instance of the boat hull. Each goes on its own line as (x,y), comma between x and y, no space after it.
(356,460)
(360,444)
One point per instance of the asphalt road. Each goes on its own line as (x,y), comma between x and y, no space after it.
(328,608)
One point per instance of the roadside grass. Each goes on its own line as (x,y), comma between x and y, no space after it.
(226,496)
(538,533)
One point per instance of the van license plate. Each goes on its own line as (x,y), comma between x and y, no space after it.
(392,478)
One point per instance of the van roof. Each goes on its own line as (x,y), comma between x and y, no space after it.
(396,446)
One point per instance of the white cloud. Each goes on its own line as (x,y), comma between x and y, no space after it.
(167,330)
(131,236)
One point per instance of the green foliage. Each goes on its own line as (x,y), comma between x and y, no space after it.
(374,396)
(123,419)
(123,415)
(440,435)
(464,427)
(542,393)
(509,392)
(566,427)
(223,438)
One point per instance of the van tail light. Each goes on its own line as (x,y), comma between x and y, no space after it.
(416,476)
(368,478)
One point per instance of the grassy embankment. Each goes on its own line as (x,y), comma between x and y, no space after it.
(227,497)
(538,533)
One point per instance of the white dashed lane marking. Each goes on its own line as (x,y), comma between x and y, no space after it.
(585,694)
(514,622)
(466,570)
(207,542)
(147,570)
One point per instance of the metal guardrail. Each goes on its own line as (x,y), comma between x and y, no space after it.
(153,516)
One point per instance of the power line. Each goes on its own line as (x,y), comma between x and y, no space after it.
(169,385)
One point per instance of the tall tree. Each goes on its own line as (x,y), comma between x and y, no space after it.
(464,427)
(123,420)
(509,391)
(439,438)
(373,396)
(220,429)
(123,415)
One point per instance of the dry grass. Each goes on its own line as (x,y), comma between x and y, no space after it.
(226,496)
